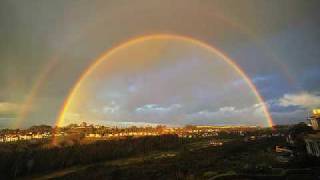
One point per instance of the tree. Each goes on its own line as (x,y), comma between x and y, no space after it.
(297,133)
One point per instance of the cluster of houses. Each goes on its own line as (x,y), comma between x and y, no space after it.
(262,136)
(122,134)
(101,132)
(180,133)
(24,137)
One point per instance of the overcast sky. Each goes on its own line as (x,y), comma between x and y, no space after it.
(46,45)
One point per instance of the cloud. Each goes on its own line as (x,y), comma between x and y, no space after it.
(294,107)
(151,108)
(227,109)
(231,111)
(8,109)
(127,123)
(289,117)
(303,100)
(255,80)
(111,110)
(249,115)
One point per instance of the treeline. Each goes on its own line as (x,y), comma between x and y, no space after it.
(32,129)
(26,161)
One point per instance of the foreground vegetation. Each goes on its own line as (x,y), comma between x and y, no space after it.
(228,156)
(235,160)
(18,160)
(189,162)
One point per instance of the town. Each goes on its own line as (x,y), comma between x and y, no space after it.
(308,132)
(280,151)
(98,132)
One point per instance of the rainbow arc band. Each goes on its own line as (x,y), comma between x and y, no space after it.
(43,76)
(130,42)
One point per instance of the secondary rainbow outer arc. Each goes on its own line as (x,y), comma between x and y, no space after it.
(126,44)
(26,106)
(40,82)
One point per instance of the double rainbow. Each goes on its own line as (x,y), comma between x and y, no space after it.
(107,54)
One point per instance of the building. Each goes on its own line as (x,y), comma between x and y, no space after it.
(313,144)
(315,119)
(313,140)
(281,149)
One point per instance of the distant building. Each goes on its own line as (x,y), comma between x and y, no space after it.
(313,144)
(315,119)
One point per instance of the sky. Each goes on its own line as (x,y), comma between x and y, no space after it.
(45,46)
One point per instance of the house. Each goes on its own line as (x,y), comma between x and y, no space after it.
(315,119)
(313,144)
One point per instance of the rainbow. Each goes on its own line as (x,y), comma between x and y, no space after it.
(27,105)
(42,78)
(130,42)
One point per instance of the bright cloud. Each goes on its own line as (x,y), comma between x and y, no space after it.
(248,115)
(8,107)
(230,110)
(111,109)
(304,100)
(108,109)
(227,109)
(157,108)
